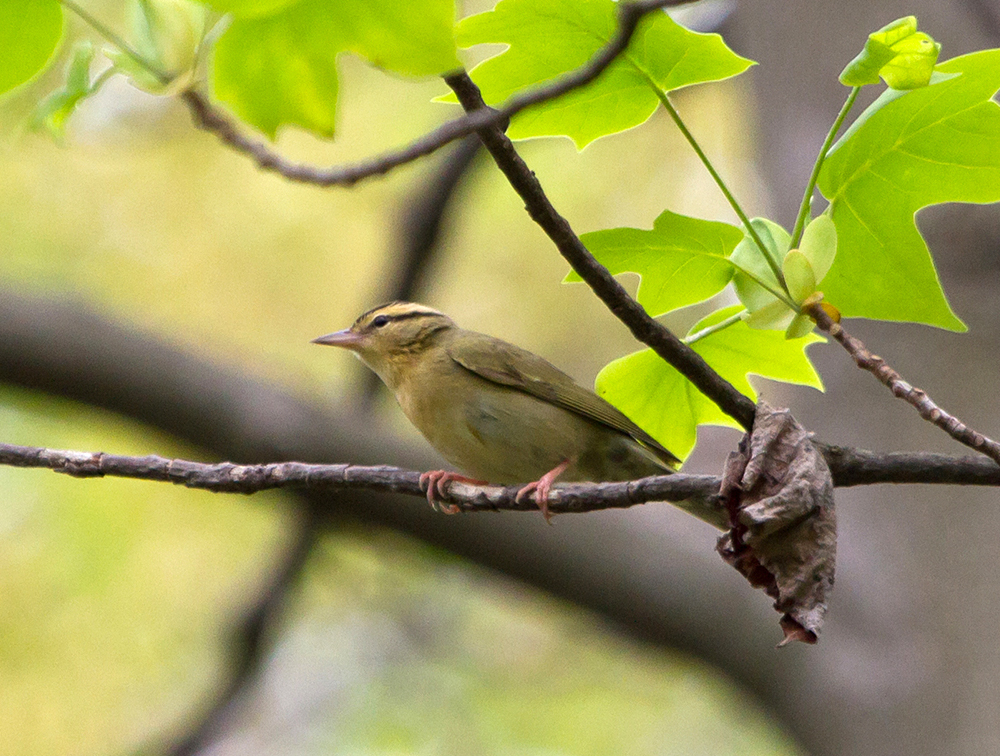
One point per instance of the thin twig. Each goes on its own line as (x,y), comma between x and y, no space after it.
(208,117)
(643,327)
(860,467)
(903,390)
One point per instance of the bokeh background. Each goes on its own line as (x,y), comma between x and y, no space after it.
(157,295)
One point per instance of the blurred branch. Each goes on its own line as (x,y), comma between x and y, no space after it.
(421,229)
(424,217)
(643,327)
(912,395)
(210,118)
(250,643)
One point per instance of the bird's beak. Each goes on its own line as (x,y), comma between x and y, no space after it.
(347,339)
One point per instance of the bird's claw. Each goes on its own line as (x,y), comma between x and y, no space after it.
(541,488)
(541,496)
(435,483)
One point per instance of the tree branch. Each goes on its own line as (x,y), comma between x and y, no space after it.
(250,643)
(912,395)
(696,494)
(227,477)
(210,118)
(643,327)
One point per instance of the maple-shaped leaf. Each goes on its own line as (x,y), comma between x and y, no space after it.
(680,262)
(940,143)
(548,38)
(669,407)
(281,68)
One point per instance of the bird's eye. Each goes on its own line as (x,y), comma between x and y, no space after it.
(380,320)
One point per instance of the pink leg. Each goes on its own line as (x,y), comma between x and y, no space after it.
(541,488)
(435,482)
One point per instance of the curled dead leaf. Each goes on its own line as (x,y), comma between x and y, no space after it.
(783,534)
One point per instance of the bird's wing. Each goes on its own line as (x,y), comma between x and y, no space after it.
(509,365)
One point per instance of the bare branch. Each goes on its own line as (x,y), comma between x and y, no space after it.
(227,477)
(250,644)
(696,494)
(210,118)
(860,467)
(918,398)
(643,327)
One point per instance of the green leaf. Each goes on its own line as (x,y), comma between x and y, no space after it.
(680,262)
(747,255)
(913,66)
(166,36)
(819,245)
(167,32)
(898,53)
(281,68)
(799,275)
(670,408)
(548,38)
(799,327)
(53,112)
(937,144)
(30,31)
(774,316)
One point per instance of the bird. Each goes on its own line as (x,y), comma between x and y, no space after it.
(498,413)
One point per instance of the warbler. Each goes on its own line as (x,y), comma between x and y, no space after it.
(498,413)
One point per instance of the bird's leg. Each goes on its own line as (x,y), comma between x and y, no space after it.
(541,488)
(435,482)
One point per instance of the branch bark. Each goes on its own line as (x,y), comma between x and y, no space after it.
(697,494)
(912,395)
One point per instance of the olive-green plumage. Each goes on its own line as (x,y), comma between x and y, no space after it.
(495,411)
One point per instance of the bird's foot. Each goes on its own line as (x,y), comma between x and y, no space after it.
(541,488)
(435,481)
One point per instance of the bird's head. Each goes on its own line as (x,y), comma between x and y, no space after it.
(391,337)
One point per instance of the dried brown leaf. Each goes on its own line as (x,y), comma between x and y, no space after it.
(783,535)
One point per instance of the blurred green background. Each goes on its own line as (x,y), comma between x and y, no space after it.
(118,597)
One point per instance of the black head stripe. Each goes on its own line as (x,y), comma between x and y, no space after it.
(364,315)
(413,314)
(392,317)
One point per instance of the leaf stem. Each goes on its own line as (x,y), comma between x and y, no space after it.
(736,317)
(116,40)
(800,221)
(718,180)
